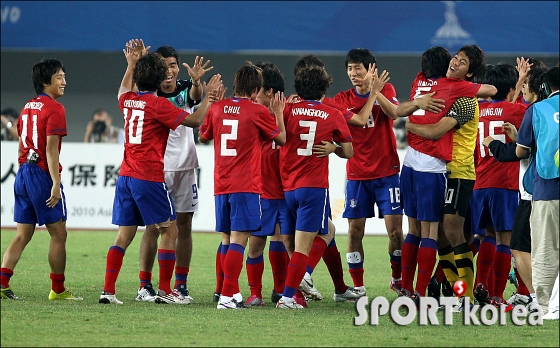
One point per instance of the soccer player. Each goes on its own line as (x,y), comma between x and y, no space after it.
(238,126)
(329,251)
(495,192)
(39,195)
(540,128)
(304,175)
(180,163)
(520,243)
(141,195)
(373,173)
(273,204)
(452,245)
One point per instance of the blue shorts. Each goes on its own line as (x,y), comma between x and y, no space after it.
(362,195)
(32,188)
(470,226)
(495,207)
(140,202)
(423,194)
(274,211)
(239,212)
(310,209)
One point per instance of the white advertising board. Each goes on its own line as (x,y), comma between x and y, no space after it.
(89,176)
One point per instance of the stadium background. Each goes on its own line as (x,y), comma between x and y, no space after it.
(89,36)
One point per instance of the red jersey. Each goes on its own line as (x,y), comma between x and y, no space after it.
(449,90)
(375,146)
(147,120)
(40,117)
(270,169)
(239,127)
(521,100)
(489,172)
(307,124)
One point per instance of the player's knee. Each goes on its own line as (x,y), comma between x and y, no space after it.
(164,224)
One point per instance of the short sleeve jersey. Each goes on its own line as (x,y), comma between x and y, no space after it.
(375,146)
(40,117)
(147,121)
(307,124)
(238,126)
(489,172)
(271,178)
(447,89)
(180,153)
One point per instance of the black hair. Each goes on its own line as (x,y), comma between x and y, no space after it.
(360,55)
(247,79)
(476,59)
(307,62)
(536,63)
(312,84)
(552,79)
(435,61)
(272,77)
(150,72)
(167,52)
(10,112)
(43,72)
(502,76)
(535,78)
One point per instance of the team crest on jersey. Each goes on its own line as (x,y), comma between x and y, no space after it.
(180,101)
(353,203)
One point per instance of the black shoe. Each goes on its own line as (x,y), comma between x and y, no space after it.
(216,297)
(446,288)
(182,288)
(481,294)
(275,297)
(434,288)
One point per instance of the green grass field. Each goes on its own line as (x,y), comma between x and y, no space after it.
(38,322)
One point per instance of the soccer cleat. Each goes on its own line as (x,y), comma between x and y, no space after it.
(396,286)
(518,299)
(275,297)
(534,307)
(434,288)
(172,298)
(254,301)
(513,279)
(351,294)
(182,289)
(288,304)
(108,299)
(7,293)
(299,300)
(404,292)
(416,298)
(460,306)
(446,288)
(552,315)
(309,291)
(216,297)
(229,303)
(146,293)
(65,295)
(481,294)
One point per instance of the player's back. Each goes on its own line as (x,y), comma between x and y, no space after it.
(147,121)
(307,124)
(448,90)
(40,117)
(489,172)
(238,127)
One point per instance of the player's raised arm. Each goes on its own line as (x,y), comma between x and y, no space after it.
(212,91)
(196,73)
(277,105)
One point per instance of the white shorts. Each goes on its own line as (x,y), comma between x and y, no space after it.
(184,190)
